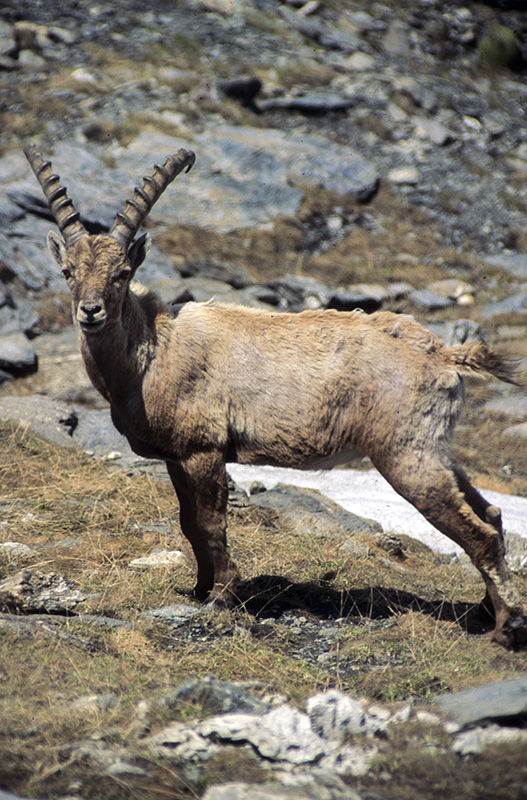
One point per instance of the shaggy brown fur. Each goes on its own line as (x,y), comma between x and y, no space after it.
(209,384)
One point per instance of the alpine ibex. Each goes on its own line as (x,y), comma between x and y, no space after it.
(204,384)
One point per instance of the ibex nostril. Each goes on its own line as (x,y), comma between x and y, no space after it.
(91,310)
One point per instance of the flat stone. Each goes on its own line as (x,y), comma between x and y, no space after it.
(172,615)
(16,550)
(314,790)
(430,301)
(245,177)
(233,274)
(41,415)
(404,175)
(31,591)
(217,697)
(432,130)
(301,291)
(307,511)
(473,742)
(309,103)
(334,715)
(517,431)
(158,559)
(516,549)
(283,734)
(516,302)
(181,742)
(17,354)
(360,62)
(511,406)
(368,297)
(503,700)
(455,332)
(513,263)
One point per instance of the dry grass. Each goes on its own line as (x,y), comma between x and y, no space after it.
(405,628)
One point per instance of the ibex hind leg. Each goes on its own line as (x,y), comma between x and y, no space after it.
(488,513)
(202,489)
(452,505)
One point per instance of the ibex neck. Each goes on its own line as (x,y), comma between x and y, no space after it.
(116,358)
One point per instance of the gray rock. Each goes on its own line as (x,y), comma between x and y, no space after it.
(516,302)
(282,734)
(429,301)
(218,697)
(246,176)
(347,760)
(158,559)
(260,296)
(41,415)
(396,42)
(89,429)
(336,716)
(458,332)
(233,274)
(309,103)
(402,176)
(513,263)
(93,703)
(198,289)
(503,700)
(14,550)
(433,130)
(307,511)
(28,318)
(96,434)
(27,257)
(517,431)
(516,549)
(172,615)
(326,34)
(364,296)
(279,791)
(17,354)
(512,406)
(182,743)
(9,213)
(473,742)
(301,292)
(31,591)
(112,760)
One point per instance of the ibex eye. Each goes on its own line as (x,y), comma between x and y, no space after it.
(121,276)
(66,273)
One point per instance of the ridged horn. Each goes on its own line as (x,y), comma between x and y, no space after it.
(61,206)
(127,222)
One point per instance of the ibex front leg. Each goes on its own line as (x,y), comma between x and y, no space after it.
(201,485)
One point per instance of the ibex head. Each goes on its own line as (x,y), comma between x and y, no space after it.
(99,268)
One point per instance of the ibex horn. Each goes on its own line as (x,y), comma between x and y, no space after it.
(127,222)
(61,206)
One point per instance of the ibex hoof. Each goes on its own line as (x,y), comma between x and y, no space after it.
(513,633)
(220,603)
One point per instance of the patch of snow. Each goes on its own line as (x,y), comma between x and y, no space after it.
(368,494)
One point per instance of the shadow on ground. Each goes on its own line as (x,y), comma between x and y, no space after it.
(273,595)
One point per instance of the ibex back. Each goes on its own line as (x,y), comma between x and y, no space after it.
(206,384)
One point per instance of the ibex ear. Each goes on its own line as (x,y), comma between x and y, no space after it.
(57,247)
(139,250)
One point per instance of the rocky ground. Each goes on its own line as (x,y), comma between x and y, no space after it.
(349,155)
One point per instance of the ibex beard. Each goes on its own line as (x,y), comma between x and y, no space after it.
(202,385)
